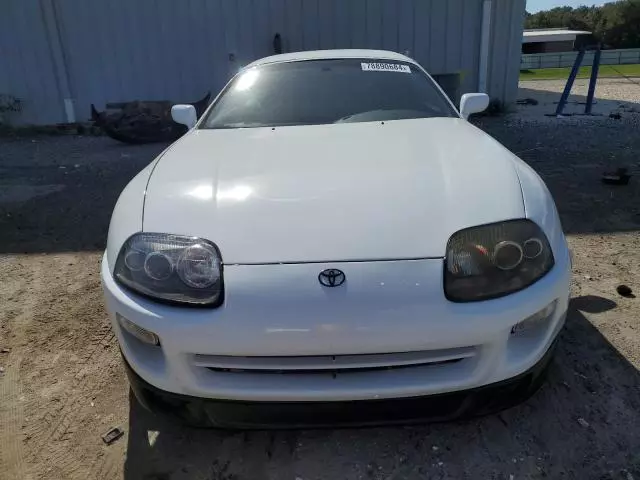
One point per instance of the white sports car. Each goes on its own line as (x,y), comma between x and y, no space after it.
(333,243)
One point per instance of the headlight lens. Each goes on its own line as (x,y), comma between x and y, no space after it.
(172,268)
(494,260)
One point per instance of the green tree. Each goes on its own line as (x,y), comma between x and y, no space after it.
(616,24)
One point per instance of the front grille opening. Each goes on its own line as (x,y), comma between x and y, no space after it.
(324,371)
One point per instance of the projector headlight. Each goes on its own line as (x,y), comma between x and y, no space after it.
(172,268)
(494,260)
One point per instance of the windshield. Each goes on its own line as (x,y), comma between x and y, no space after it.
(317,92)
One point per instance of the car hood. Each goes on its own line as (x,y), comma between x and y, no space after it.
(344,192)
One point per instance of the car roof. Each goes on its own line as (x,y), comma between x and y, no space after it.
(331,54)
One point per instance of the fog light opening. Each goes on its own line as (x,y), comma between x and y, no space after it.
(137,331)
(534,321)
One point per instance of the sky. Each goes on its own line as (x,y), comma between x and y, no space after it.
(534,6)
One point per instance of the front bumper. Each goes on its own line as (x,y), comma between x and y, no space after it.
(357,342)
(204,412)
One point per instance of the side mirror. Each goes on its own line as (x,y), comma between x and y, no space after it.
(184,114)
(473,103)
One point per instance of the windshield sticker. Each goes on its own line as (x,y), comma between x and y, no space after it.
(385,67)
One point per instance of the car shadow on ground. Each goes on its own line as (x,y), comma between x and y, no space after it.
(57,193)
(572,154)
(587,409)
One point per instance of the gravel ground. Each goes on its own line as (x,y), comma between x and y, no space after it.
(63,385)
(613,96)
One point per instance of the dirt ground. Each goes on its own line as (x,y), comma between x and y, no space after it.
(62,384)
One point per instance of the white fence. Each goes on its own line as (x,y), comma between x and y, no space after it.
(567,59)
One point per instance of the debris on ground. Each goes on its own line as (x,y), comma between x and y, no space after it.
(615,116)
(583,422)
(619,177)
(527,101)
(4,350)
(146,121)
(625,291)
(152,436)
(112,435)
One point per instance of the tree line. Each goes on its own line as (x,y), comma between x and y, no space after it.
(614,24)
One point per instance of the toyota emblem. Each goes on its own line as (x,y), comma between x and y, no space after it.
(332,277)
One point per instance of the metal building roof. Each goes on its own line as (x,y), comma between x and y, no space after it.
(551,35)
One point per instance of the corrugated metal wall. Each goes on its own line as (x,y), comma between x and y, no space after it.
(120,50)
(506,44)
(26,64)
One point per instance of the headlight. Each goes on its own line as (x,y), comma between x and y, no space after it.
(172,268)
(493,260)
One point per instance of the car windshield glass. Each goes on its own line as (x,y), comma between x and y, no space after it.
(327,91)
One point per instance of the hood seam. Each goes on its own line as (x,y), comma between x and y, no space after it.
(524,204)
(146,186)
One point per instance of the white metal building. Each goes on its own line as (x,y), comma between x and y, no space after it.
(60,56)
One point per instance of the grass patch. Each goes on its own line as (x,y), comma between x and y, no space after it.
(584,72)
